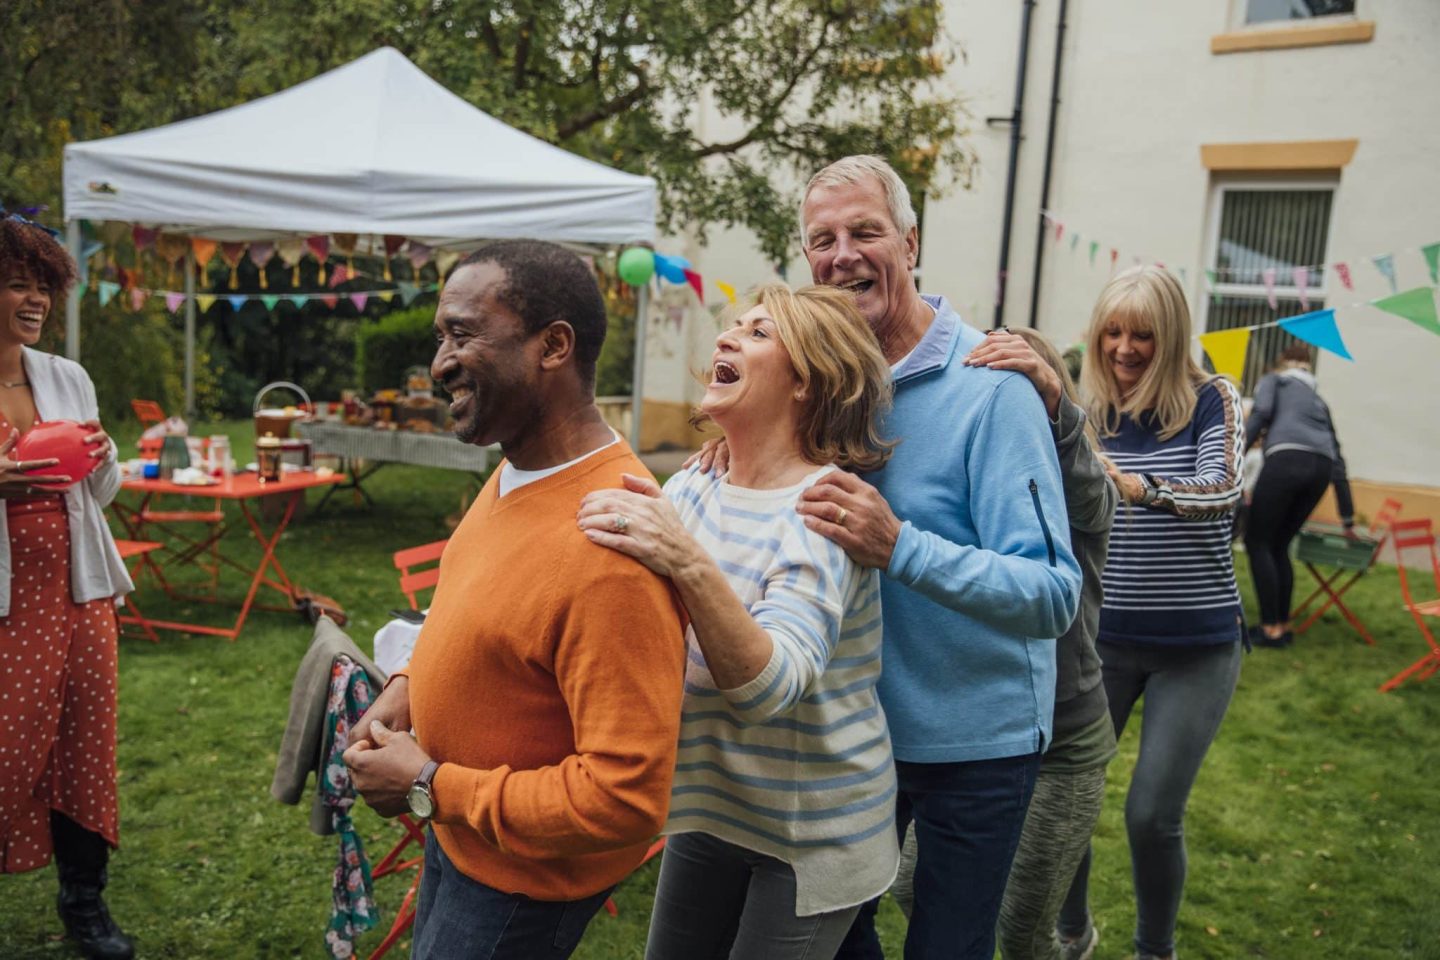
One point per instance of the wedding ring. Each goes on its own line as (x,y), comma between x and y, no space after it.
(840,517)
(620,524)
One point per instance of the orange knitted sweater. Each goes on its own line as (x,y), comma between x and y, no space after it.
(547,681)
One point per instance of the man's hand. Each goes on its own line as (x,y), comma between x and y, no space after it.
(391,708)
(843,508)
(713,454)
(1003,350)
(383,772)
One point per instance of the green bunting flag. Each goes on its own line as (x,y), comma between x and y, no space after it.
(108,290)
(269,300)
(1417,306)
(408,292)
(1432,260)
(1094,245)
(1210,280)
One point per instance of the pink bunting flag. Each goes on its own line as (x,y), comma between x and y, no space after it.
(359,299)
(1269,274)
(339,275)
(261,251)
(418,254)
(1059,230)
(319,246)
(144,238)
(1302,280)
(1342,270)
(1114,255)
(696,282)
(174,301)
(137,298)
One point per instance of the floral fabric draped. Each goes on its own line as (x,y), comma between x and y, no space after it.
(353,901)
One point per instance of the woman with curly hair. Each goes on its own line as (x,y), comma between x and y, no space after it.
(60,578)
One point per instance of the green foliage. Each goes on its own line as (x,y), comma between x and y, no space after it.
(387,347)
(615,369)
(797,83)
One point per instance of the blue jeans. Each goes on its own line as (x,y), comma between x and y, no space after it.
(457,918)
(968,818)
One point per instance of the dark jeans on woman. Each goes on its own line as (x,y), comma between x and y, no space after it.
(1290,485)
(1187,690)
(968,818)
(457,918)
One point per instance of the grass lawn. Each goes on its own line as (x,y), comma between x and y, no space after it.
(1308,830)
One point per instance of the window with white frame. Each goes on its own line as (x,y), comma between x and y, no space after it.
(1258,228)
(1270,11)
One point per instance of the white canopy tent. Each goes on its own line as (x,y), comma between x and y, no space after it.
(371,148)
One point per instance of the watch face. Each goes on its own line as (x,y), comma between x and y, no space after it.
(421,803)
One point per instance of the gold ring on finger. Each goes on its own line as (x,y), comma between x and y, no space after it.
(840,517)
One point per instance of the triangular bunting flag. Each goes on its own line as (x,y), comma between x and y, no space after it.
(270,300)
(330,301)
(299,299)
(204,249)
(418,254)
(445,261)
(386,295)
(1269,275)
(1317,329)
(408,292)
(1432,260)
(359,299)
(81,289)
(137,297)
(238,301)
(339,275)
(1059,230)
(1226,349)
(1184,278)
(1417,306)
(174,301)
(1342,270)
(1074,240)
(696,283)
(108,290)
(1114,256)
(1301,276)
(204,301)
(726,289)
(671,268)
(1386,265)
(1094,246)
(144,237)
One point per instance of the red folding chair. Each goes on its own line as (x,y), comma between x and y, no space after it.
(1325,544)
(1409,535)
(149,413)
(137,548)
(416,570)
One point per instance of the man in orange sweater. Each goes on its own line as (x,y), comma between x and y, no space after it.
(545,688)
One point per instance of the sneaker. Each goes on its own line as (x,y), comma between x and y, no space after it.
(1259,638)
(1082,947)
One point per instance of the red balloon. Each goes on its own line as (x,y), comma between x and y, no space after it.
(62,440)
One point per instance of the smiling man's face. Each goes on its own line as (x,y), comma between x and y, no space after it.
(851,242)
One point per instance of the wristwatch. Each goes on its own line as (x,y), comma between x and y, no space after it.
(1149,489)
(421,797)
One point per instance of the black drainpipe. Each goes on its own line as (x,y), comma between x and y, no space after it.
(1014,121)
(1049,158)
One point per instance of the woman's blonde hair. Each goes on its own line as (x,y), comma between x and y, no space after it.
(1143,299)
(842,372)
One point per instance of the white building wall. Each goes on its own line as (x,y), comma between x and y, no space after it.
(1141,93)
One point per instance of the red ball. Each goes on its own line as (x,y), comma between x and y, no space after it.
(62,440)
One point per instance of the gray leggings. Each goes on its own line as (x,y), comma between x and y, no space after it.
(716,900)
(1187,690)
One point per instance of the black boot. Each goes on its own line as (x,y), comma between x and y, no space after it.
(80,857)
(88,922)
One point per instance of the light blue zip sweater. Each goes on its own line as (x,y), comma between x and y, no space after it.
(982,578)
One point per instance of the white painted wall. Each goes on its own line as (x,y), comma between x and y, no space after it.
(1141,92)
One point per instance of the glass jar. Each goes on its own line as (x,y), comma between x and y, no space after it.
(267,457)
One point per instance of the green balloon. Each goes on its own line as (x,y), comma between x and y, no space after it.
(636,266)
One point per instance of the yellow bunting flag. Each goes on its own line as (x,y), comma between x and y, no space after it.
(726,289)
(1227,351)
(386,295)
(204,301)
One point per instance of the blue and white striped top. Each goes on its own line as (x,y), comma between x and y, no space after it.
(1170,577)
(796,763)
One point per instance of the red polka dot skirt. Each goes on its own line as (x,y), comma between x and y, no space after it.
(57,694)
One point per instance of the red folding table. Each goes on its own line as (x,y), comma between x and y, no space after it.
(245,489)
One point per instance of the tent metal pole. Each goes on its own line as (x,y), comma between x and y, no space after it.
(190,334)
(72,303)
(637,381)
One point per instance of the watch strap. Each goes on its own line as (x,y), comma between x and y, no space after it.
(427,774)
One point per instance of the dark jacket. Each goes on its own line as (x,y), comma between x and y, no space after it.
(1090,501)
(1288,410)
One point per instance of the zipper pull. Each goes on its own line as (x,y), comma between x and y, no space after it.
(1033,487)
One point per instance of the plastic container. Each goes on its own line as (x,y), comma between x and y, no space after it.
(267,457)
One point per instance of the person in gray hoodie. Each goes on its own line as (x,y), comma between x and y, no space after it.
(1070,785)
(1302,459)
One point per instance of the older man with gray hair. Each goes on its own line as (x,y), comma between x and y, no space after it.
(979,577)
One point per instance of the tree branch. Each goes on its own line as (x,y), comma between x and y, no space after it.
(605,111)
(522,51)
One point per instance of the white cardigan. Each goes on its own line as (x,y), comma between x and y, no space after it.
(63,391)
